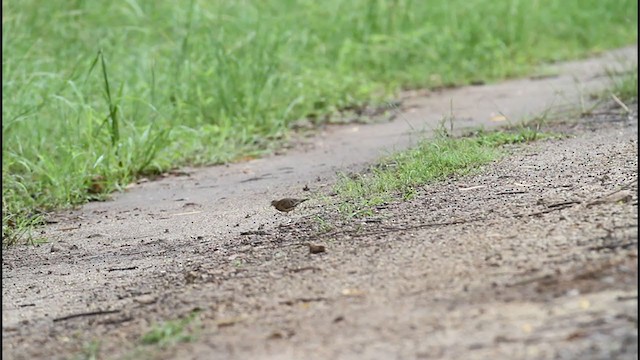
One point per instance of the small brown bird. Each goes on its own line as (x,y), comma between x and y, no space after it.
(287,204)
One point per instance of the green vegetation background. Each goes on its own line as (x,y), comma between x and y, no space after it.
(96,93)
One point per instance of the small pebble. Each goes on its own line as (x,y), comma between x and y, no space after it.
(316,249)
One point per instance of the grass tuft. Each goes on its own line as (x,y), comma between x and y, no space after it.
(625,86)
(169,332)
(401,174)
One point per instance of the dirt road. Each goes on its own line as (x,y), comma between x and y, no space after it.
(534,257)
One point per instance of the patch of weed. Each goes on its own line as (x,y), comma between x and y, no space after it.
(169,332)
(401,174)
(324,226)
(625,86)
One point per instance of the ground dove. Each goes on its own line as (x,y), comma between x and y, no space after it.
(287,204)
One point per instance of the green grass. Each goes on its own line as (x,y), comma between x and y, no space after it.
(164,335)
(96,94)
(169,332)
(402,174)
(625,86)
(623,90)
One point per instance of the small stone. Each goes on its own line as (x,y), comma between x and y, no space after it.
(145,299)
(316,249)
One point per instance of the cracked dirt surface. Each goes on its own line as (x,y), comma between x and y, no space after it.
(534,257)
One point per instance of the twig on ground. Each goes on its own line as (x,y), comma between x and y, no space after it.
(186,213)
(593,201)
(563,203)
(511,192)
(625,186)
(304,300)
(254,232)
(548,210)
(619,102)
(305,268)
(473,188)
(122,269)
(91,313)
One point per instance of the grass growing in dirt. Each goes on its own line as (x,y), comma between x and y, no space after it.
(401,174)
(96,94)
(625,86)
(169,332)
(623,90)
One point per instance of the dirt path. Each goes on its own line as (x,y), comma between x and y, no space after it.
(499,280)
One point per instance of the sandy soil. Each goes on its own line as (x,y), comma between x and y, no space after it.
(534,257)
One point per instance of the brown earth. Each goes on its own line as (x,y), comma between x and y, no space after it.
(535,256)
